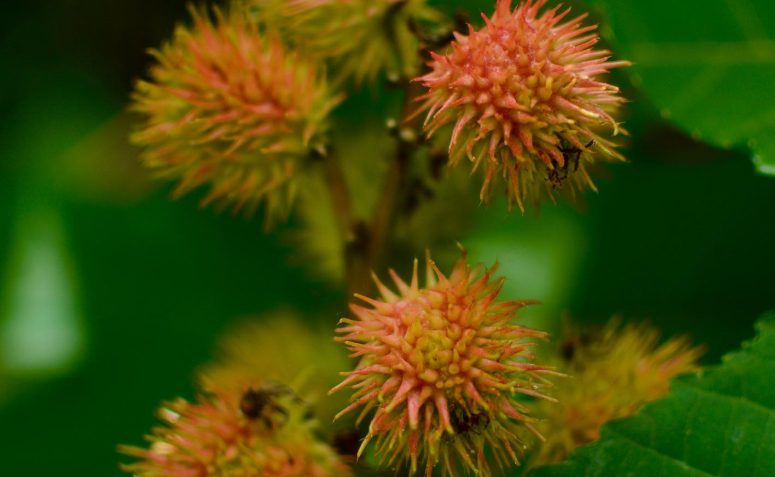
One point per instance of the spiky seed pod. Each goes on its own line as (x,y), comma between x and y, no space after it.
(228,106)
(362,38)
(526,99)
(261,431)
(445,370)
(248,353)
(615,371)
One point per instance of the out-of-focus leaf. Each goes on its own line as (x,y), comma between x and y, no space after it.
(540,256)
(664,244)
(40,329)
(317,236)
(103,166)
(717,424)
(707,66)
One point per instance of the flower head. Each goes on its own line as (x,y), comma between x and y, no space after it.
(526,100)
(615,371)
(230,107)
(361,37)
(260,431)
(444,369)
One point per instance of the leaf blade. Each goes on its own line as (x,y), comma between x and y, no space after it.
(705,68)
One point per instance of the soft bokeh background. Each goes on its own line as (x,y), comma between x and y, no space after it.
(111,295)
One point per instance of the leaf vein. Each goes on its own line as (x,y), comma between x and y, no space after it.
(659,454)
(741,399)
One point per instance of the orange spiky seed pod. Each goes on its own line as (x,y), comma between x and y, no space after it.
(361,38)
(526,100)
(444,369)
(261,431)
(615,371)
(229,106)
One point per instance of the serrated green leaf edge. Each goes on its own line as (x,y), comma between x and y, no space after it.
(719,423)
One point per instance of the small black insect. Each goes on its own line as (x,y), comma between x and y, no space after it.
(466,423)
(265,403)
(253,403)
(475,423)
(571,154)
(569,347)
(581,341)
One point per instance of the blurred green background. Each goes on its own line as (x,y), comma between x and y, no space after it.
(111,295)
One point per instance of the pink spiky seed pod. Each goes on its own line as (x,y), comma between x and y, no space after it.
(360,38)
(260,431)
(526,99)
(445,370)
(228,105)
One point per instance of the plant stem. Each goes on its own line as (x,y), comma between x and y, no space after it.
(367,243)
(395,186)
(385,210)
(354,233)
(340,196)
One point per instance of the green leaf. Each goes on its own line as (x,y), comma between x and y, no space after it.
(721,423)
(708,66)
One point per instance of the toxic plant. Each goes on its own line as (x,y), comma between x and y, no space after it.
(250,100)
(444,369)
(526,98)
(229,106)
